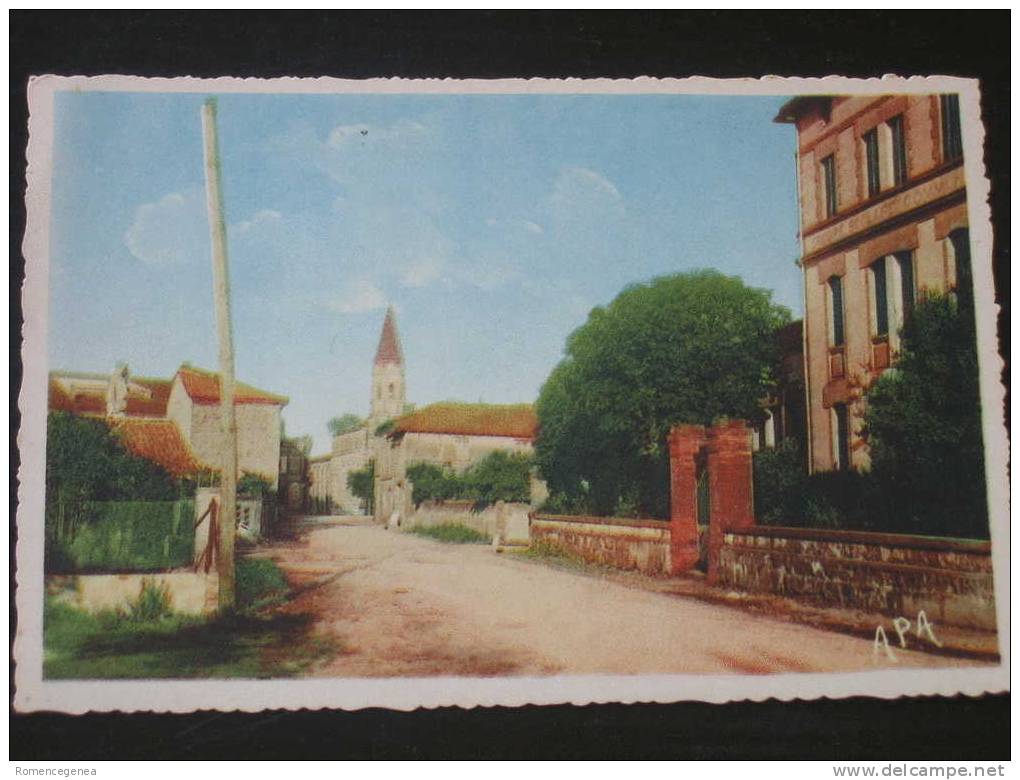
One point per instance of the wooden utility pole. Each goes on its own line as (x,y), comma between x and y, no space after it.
(221,298)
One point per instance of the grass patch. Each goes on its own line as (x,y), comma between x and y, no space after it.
(259,582)
(150,641)
(554,553)
(453,533)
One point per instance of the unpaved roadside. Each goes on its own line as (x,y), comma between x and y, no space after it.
(401,605)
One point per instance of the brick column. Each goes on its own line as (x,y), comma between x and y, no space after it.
(730,478)
(685,441)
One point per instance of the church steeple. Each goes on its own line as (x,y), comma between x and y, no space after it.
(388,392)
(389,342)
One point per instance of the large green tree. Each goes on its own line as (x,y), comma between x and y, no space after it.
(923,425)
(687,348)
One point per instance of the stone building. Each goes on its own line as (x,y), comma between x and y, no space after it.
(352,450)
(175,422)
(446,434)
(883,213)
(451,435)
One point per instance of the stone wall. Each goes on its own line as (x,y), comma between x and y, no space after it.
(508,522)
(191,592)
(950,579)
(258,437)
(640,545)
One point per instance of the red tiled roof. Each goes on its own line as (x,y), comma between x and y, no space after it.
(94,401)
(516,420)
(59,401)
(203,387)
(155,404)
(158,441)
(389,343)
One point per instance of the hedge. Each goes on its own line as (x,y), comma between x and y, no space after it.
(127,536)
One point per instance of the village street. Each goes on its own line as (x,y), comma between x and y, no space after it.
(400,605)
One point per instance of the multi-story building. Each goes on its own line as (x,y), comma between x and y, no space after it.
(883,213)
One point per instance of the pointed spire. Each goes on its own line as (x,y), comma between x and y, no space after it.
(389,342)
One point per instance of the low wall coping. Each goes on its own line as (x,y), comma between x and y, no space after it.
(662,525)
(936,543)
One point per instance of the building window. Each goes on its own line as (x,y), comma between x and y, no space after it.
(952,138)
(960,241)
(829,181)
(908,294)
(898,142)
(836,311)
(892,294)
(873,163)
(841,440)
(880,298)
(391,389)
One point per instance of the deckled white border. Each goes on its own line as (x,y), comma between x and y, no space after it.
(33,693)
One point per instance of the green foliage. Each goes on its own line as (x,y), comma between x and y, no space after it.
(386,426)
(499,476)
(780,482)
(125,536)
(153,603)
(112,645)
(361,483)
(85,460)
(688,348)
(453,533)
(258,580)
(434,482)
(345,423)
(923,424)
(254,485)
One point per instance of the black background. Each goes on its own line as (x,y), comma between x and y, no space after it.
(501,44)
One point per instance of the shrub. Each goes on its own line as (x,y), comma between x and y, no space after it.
(257,579)
(361,483)
(780,481)
(499,476)
(126,536)
(153,603)
(454,533)
(434,482)
(923,425)
(254,485)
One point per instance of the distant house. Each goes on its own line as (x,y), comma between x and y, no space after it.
(451,435)
(176,422)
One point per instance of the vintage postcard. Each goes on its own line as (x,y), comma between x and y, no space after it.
(397,393)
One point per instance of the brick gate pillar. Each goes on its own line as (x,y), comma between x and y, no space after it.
(730,485)
(685,441)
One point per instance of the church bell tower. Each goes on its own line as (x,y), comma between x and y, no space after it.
(388,392)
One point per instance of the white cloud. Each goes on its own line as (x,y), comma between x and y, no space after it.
(360,296)
(532,227)
(400,131)
(582,191)
(259,218)
(422,272)
(171,231)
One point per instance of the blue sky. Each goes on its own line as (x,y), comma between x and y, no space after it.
(493,223)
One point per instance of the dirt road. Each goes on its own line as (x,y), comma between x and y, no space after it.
(402,605)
